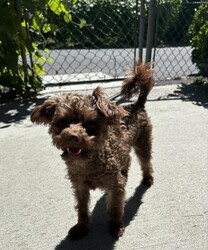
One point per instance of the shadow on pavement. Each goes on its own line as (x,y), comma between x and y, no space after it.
(17,110)
(98,237)
(196,94)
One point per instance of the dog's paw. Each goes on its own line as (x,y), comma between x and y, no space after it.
(78,231)
(148,181)
(116,229)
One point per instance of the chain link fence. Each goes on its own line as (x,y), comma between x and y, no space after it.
(96,45)
(103,39)
(172,51)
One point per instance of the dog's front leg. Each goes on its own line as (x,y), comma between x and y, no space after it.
(115,208)
(82,195)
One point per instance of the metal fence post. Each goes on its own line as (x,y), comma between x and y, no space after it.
(150,29)
(136,33)
(141,30)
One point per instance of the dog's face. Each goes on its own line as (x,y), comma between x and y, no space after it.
(78,123)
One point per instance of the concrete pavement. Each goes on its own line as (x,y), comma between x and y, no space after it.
(37,205)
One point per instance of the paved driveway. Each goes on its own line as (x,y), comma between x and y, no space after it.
(37,205)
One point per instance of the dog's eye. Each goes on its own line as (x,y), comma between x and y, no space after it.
(63,123)
(91,128)
(75,120)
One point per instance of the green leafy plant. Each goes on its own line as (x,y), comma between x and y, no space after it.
(21,62)
(199,81)
(198,32)
(95,24)
(174,17)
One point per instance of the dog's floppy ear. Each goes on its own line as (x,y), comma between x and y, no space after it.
(106,107)
(43,114)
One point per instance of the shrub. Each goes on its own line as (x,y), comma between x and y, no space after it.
(198,32)
(21,62)
(17,77)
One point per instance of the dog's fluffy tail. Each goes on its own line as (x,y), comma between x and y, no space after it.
(139,81)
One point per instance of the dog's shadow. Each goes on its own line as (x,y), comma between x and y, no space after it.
(98,237)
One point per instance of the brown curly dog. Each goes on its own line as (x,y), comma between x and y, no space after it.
(96,137)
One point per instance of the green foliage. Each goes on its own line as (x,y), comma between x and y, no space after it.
(115,24)
(198,32)
(174,17)
(21,62)
(95,24)
(199,81)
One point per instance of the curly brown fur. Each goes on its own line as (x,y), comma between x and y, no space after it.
(139,81)
(96,136)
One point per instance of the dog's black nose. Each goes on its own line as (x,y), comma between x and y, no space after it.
(74,138)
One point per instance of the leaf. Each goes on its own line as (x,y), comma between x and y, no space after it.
(46,50)
(39,69)
(40,59)
(38,53)
(46,28)
(82,23)
(23,24)
(54,27)
(63,9)
(35,25)
(34,45)
(54,5)
(67,18)
(50,60)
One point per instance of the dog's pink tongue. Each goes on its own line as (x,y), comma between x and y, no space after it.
(74,151)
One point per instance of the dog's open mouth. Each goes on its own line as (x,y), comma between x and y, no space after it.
(74,151)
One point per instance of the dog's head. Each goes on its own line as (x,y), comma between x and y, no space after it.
(79,123)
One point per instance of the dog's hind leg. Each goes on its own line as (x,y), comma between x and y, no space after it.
(82,195)
(143,148)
